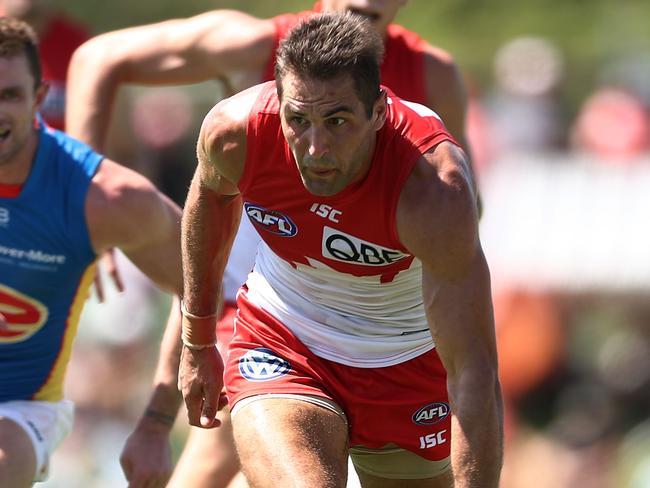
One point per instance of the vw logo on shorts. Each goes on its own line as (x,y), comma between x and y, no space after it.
(262,364)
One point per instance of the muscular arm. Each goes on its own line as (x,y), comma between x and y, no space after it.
(441,230)
(210,220)
(125,210)
(213,208)
(227,45)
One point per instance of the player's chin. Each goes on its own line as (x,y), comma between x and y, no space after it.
(322,188)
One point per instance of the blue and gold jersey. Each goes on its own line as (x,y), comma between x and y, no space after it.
(46,268)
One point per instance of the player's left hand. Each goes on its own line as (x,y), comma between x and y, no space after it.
(146,458)
(108,263)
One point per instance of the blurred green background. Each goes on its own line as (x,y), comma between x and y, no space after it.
(589,32)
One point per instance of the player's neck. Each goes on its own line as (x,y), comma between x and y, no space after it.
(16,170)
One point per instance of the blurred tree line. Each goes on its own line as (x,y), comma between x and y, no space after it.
(590,33)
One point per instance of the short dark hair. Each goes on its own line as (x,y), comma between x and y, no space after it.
(16,38)
(329,45)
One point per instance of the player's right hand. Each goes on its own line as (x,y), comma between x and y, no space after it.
(200,380)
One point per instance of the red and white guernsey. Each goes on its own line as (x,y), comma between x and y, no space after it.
(332,269)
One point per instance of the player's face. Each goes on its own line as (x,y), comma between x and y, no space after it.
(23,9)
(329,132)
(379,12)
(18,104)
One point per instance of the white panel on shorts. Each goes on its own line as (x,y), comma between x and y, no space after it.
(46,424)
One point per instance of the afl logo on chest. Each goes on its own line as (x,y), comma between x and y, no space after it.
(270,220)
(262,364)
(24,315)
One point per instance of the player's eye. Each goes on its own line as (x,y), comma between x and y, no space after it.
(336,121)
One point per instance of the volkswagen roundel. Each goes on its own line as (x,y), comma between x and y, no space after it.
(262,364)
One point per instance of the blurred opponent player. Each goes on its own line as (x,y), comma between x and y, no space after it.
(60,205)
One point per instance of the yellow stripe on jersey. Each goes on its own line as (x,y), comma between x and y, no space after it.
(52,390)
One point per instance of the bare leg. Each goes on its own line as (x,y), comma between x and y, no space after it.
(291,443)
(17,456)
(209,458)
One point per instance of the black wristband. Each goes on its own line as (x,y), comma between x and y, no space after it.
(163,418)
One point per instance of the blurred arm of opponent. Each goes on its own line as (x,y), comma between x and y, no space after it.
(224,45)
(125,210)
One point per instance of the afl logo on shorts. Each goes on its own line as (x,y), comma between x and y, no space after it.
(262,364)
(270,220)
(25,315)
(431,414)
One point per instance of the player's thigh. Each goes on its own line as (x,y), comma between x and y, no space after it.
(291,442)
(17,455)
(443,480)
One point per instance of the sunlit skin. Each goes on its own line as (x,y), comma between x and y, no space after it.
(33,12)
(379,12)
(19,101)
(329,132)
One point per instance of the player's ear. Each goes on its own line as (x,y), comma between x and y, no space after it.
(379,110)
(41,93)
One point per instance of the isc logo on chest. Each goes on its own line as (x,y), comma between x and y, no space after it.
(346,248)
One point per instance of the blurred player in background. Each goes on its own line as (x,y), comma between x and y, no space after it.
(59,36)
(61,204)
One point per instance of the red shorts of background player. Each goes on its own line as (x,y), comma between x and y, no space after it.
(405,404)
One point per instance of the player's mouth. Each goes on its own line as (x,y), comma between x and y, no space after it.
(322,172)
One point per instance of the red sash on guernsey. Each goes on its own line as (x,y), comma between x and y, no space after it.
(10,191)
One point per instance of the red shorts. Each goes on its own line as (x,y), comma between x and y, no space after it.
(405,404)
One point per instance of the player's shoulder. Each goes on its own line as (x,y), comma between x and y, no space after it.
(437,213)
(67,150)
(231,114)
(439,64)
(441,183)
(438,60)
(413,41)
